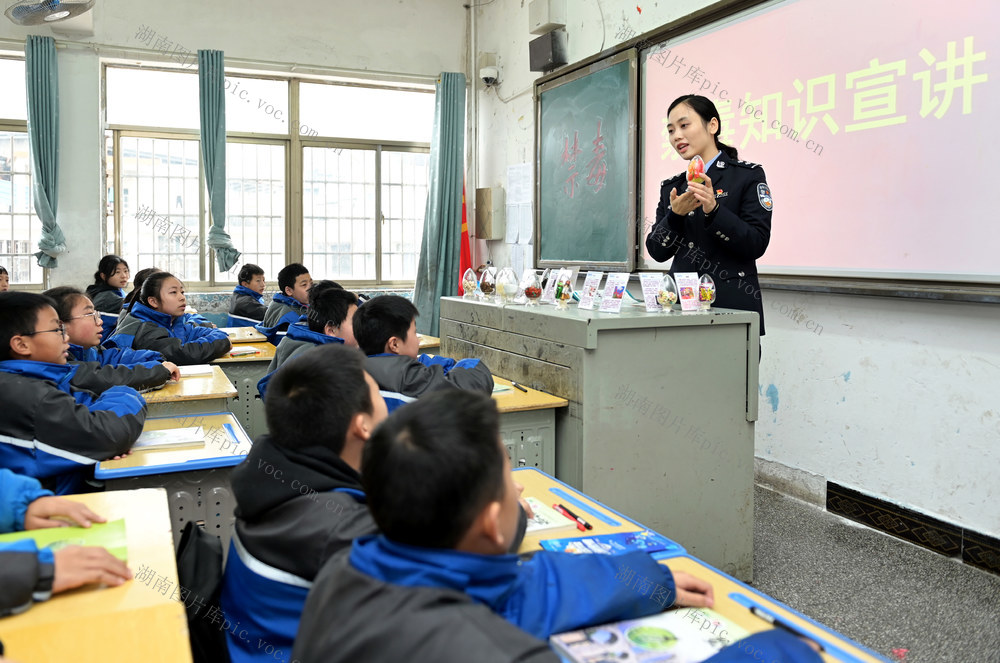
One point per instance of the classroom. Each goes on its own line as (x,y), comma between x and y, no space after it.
(838,468)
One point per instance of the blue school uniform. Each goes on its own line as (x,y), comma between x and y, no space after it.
(298,339)
(178,341)
(112,356)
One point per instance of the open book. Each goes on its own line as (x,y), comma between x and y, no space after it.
(195,370)
(170,438)
(110,535)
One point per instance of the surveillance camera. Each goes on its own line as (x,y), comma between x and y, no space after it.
(490,75)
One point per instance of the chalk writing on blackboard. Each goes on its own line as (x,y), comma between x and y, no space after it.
(598,166)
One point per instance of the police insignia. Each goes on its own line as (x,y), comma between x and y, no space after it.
(764,196)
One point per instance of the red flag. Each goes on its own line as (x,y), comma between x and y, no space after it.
(465,253)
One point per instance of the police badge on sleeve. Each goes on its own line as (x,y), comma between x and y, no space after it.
(764,196)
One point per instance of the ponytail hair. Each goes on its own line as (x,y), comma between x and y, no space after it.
(140,278)
(107,267)
(705,109)
(152,285)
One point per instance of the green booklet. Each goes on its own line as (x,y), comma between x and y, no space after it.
(109,535)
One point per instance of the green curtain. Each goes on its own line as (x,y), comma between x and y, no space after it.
(43,139)
(212,96)
(437,269)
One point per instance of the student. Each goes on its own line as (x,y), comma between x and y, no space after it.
(28,573)
(437,583)
(4,279)
(156,322)
(386,330)
(331,311)
(140,278)
(52,430)
(110,279)
(720,226)
(288,304)
(298,494)
(247,302)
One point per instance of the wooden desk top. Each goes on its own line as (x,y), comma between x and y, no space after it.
(226,444)
(537,484)
(265,352)
(134,622)
(243,335)
(427,342)
(731,598)
(516,400)
(198,388)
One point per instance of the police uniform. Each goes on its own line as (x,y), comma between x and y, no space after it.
(726,242)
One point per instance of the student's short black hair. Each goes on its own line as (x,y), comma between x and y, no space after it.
(65,298)
(3,270)
(381,318)
(288,274)
(19,315)
(247,272)
(329,305)
(152,285)
(107,266)
(140,278)
(312,397)
(323,284)
(431,467)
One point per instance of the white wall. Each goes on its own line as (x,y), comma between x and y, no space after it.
(378,36)
(892,397)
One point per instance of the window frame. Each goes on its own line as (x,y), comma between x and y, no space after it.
(295,144)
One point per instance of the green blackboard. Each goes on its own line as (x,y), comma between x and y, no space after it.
(585,167)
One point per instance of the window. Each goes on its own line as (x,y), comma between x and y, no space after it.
(20,227)
(363,189)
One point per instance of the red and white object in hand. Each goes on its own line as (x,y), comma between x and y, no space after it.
(696,170)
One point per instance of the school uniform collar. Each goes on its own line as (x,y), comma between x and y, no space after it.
(61,374)
(243,290)
(143,312)
(80,354)
(282,298)
(487,579)
(300,332)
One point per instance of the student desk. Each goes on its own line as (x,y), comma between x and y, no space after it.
(660,422)
(193,395)
(127,623)
(196,478)
(244,335)
(245,372)
(732,597)
(528,425)
(429,342)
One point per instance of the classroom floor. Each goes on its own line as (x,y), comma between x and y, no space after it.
(882,592)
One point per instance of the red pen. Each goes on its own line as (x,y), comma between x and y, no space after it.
(576,517)
(561,509)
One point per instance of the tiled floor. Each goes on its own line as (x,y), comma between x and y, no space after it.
(882,592)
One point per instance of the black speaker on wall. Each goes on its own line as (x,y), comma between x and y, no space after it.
(548,51)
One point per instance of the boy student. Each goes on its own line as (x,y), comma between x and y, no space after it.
(288,304)
(386,330)
(247,302)
(52,430)
(299,496)
(331,311)
(4,279)
(139,369)
(27,573)
(438,584)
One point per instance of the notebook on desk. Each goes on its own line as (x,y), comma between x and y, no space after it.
(170,438)
(196,370)
(545,517)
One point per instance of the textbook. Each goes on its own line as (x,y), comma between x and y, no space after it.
(110,535)
(545,517)
(195,370)
(501,388)
(614,544)
(684,635)
(239,352)
(170,438)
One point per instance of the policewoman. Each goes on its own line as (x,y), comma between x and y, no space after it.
(721,226)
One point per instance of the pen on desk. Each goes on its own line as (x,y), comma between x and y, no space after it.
(561,509)
(517,386)
(777,623)
(577,518)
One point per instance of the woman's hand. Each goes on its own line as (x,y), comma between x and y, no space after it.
(703,194)
(684,203)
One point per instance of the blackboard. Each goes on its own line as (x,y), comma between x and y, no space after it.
(585,149)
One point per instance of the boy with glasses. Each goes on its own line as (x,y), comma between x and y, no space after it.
(52,429)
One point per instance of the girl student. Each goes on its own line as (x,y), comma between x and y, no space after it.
(156,321)
(720,226)
(139,369)
(108,289)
